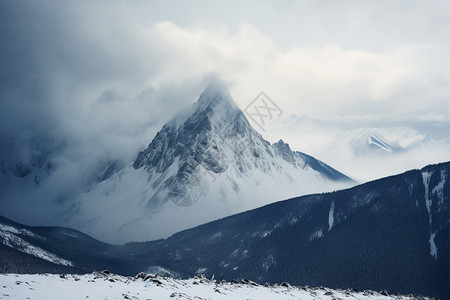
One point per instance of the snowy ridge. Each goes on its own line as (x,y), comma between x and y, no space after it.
(10,236)
(104,285)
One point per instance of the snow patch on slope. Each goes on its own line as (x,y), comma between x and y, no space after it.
(8,237)
(426,182)
(316,235)
(268,262)
(439,189)
(331,217)
(22,231)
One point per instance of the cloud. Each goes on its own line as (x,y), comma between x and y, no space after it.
(323,80)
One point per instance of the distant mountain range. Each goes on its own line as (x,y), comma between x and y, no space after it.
(392,233)
(359,151)
(208,155)
(360,140)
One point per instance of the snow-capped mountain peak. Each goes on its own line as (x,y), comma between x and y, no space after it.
(206,163)
(218,92)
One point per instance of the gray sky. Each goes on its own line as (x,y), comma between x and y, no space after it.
(383,59)
(97,79)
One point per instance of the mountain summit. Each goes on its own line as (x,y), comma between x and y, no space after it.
(206,163)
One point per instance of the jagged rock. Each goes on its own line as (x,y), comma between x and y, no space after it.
(141,275)
(158,282)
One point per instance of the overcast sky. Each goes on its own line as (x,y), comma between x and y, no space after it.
(384,59)
(97,79)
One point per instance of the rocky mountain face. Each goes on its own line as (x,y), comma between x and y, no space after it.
(206,163)
(392,233)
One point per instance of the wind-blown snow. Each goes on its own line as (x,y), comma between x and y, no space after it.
(147,286)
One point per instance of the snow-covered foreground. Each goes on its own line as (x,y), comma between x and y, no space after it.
(146,286)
